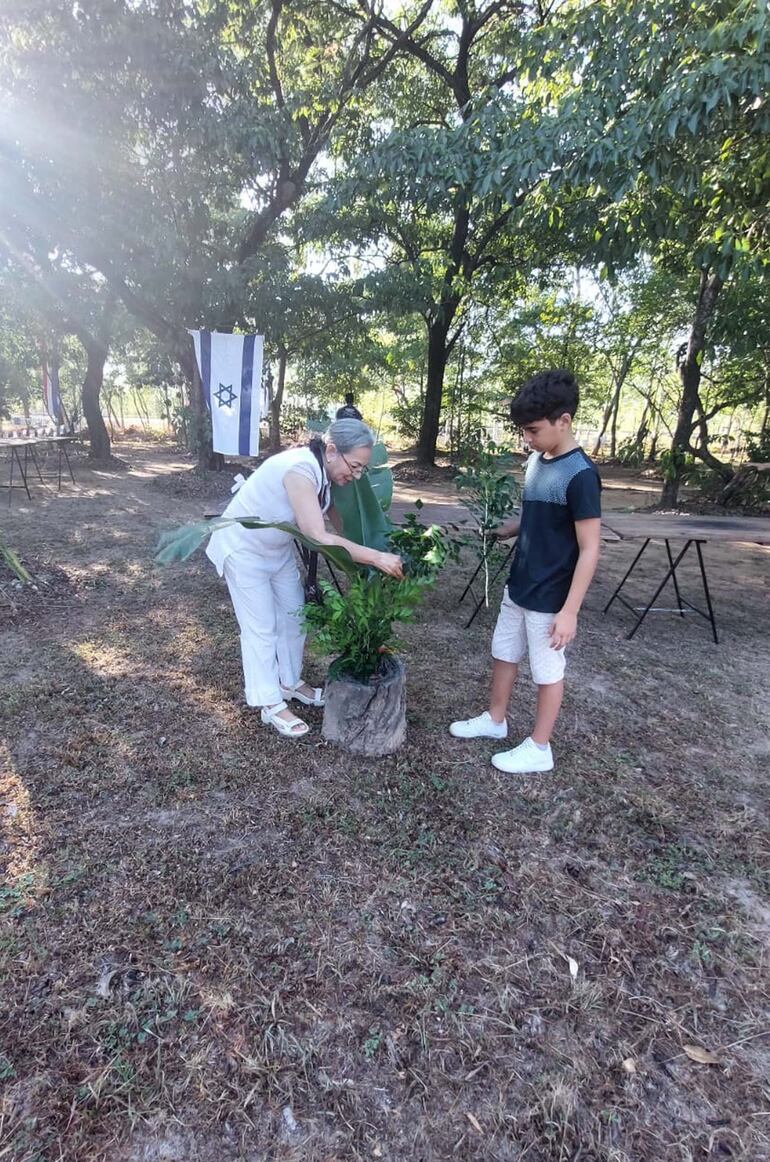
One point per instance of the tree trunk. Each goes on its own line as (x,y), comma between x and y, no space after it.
(367,718)
(276,402)
(200,431)
(614,427)
(438,355)
(689,368)
(98,436)
(611,410)
(643,431)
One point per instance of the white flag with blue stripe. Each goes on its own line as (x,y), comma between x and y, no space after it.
(51,392)
(230,368)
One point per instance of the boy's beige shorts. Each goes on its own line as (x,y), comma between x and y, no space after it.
(521,631)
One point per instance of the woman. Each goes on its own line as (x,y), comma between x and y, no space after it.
(260,568)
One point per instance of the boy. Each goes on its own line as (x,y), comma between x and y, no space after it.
(553,564)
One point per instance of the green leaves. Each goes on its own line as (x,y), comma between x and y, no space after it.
(423,550)
(357,627)
(179,544)
(9,556)
(362,504)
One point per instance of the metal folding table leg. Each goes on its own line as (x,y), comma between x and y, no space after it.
(628,573)
(671,572)
(709,606)
(15,457)
(674,579)
(63,452)
(30,449)
(469,587)
(337,585)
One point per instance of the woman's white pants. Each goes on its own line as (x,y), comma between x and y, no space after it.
(267,597)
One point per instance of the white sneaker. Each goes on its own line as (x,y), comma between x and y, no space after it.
(525,759)
(480,727)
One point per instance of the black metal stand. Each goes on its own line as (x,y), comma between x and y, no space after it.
(306,556)
(62,457)
(683,605)
(469,587)
(22,462)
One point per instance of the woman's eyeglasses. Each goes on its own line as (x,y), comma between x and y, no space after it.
(358,470)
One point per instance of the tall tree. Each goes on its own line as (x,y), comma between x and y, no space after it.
(415,193)
(160,145)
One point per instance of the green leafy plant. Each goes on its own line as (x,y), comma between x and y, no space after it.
(630,454)
(758,445)
(491,494)
(424,550)
(357,626)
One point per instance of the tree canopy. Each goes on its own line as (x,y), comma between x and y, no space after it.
(351,177)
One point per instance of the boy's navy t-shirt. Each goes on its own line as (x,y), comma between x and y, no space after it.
(557,492)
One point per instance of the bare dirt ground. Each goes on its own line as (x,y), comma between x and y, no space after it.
(218,945)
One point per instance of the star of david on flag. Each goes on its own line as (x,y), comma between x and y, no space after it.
(230,368)
(225,396)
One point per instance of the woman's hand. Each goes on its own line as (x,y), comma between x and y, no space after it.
(389,563)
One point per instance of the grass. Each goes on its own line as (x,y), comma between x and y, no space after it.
(214,945)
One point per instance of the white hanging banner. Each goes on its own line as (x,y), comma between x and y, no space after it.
(230,368)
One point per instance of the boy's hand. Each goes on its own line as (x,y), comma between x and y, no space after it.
(563,629)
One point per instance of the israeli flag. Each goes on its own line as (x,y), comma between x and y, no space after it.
(51,392)
(230,368)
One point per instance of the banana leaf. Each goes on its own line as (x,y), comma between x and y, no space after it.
(363,503)
(380,477)
(379,457)
(360,512)
(12,561)
(180,543)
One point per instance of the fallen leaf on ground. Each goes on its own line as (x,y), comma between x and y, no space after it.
(701,1055)
(475,1123)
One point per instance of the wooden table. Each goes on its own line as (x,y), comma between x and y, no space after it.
(695,531)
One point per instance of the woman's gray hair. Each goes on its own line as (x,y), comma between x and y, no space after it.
(349,434)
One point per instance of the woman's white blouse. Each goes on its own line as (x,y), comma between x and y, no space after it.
(264,496)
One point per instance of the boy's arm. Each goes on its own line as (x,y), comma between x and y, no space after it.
(564,628)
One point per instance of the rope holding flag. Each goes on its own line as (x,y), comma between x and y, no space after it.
(230,368)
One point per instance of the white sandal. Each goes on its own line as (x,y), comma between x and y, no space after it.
(290,692)
(284,726)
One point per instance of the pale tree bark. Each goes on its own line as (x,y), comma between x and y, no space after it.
(611,410)
(98,436)
(276,401)
(691,413)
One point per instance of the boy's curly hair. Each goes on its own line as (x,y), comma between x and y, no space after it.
(545,396)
